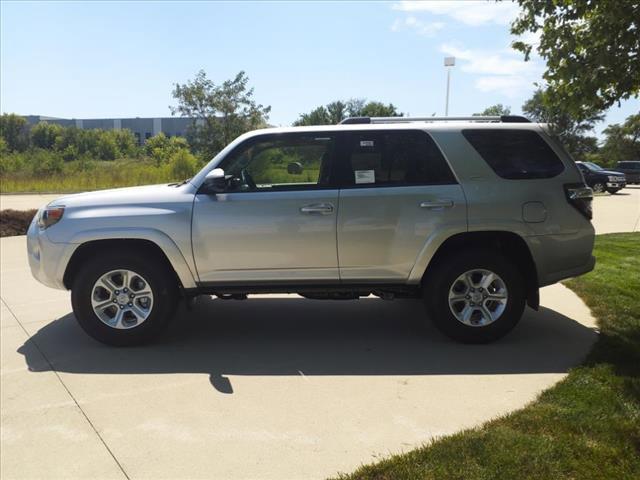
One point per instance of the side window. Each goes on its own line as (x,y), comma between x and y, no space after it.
(394,158)
(280,162)
(515,154)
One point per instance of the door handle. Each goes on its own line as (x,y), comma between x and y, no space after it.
(317,208)
(440,203)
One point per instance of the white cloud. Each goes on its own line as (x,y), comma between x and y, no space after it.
(469,12)
(499,70)
(499,62)
(428,29)
(511,86)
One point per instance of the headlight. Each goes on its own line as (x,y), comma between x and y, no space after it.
(613,179)
(50,216)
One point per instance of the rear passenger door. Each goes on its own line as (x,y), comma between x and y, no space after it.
(397,191)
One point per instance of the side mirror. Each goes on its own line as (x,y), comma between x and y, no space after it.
(215,181)
(294,168)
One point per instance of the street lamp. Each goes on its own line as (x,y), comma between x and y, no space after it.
(448,62)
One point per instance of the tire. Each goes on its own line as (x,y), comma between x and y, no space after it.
(598,187)
(445,279)
(613,191)
(89,289)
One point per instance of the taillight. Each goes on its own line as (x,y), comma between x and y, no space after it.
(50,216)
(580,196)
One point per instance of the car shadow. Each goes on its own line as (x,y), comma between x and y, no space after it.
(293,336)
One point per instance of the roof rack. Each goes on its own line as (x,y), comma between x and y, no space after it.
(477,118)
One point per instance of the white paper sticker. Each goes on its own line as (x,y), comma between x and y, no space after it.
(365,176)
(366,143)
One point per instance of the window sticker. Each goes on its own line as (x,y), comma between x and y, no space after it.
(365,176)
(367,143)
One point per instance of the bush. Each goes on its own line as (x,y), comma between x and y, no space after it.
(182,165)
(162,148)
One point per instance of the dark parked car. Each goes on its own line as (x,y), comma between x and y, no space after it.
(601,180)
(631,169)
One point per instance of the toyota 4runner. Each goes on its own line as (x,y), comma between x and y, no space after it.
(470,215)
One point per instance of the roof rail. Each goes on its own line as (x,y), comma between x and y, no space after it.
(475,118)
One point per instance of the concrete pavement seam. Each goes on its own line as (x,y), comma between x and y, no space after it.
(35,344)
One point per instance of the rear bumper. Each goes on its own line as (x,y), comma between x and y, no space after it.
(572,272)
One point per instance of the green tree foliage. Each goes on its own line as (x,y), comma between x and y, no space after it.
(592,50)
(334,112)
(497,109)
(161,148)
(43,135)
(225,111)
(622,142)
(183,164)
(13,129)
(571,133)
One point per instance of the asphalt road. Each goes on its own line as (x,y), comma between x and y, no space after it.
(272,387)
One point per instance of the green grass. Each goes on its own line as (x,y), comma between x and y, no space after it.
(585,427)
(92,175)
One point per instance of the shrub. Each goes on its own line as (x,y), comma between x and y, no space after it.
(44,135)
(162,148)
(182,165)
(44,162)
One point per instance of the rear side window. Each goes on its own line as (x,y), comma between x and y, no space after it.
(515,154)
(394,158)
(629,165)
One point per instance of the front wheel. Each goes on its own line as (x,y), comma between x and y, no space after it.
(613,191)
(598,187)
(478,296)
(123,298)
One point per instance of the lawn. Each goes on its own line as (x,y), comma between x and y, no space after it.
(585,427)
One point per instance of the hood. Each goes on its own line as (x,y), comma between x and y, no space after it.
(611,172)
(130,195)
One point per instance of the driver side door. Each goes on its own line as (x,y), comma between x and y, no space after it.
(276,220)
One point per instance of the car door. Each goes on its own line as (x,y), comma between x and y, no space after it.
(276,219)
(398,190)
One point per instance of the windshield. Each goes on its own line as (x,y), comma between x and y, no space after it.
(593,166)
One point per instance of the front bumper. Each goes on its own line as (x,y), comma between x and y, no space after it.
(47,260)
(616,184)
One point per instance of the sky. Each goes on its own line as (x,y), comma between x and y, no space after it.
(120,59)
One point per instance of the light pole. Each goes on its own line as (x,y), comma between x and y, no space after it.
(448,62)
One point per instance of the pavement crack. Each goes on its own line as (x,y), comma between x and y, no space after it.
(55,372)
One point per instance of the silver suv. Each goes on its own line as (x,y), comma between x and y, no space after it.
(471,215)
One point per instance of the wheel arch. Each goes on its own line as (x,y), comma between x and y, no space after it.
(169,255)
(510,244)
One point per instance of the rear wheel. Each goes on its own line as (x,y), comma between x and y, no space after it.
(476,297)
(123,298)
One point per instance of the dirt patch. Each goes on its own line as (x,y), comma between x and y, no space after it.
(15,222)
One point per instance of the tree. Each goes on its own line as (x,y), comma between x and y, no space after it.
(569,132)
(13,129)
(225,111)
(622,142)
(334,112)
(497,109)
(182,164)
(592,50)
(161,148)
(44,135)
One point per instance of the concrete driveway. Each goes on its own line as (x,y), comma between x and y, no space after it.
(272,387)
